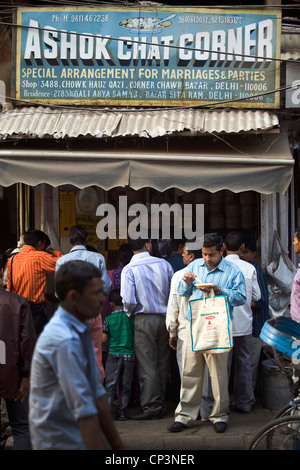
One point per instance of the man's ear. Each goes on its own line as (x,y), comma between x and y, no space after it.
(148,245)
(72,296)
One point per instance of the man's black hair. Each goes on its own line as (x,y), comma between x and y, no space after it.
(196,253)
(233,241)
(77,235)
(74,275)
(125,253)
(250,243)
(33,236)
(176,242)
(138,244)
(115,297)
(213,239)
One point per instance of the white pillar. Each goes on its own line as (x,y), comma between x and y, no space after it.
(268,216)
(274,216)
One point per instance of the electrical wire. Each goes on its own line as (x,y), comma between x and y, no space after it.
(155,4)
(165,108)
(137,41)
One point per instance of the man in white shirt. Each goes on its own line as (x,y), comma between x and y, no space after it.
(178,306)
(242,326)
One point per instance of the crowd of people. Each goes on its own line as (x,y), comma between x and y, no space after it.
(114,330)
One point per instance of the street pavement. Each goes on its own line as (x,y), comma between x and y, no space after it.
(152,435)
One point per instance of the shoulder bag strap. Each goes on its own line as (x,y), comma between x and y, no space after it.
(11,265)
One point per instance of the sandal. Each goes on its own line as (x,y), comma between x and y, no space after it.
(122,417)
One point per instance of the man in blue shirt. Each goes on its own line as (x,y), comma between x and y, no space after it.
(226,279)
(78,241)
(68,404)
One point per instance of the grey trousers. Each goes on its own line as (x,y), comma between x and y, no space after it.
(151,343)
(257,345)
(243,389)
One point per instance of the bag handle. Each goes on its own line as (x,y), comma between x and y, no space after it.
(11,265)
(210,294)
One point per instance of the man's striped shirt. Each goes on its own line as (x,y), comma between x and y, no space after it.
(145,284)
(29,272)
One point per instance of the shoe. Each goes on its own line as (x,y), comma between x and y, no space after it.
(121,417)
(220,426)
(239,410)
(140,417)
(177,427)
(160,414)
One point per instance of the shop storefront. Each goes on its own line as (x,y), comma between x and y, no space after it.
(235,175)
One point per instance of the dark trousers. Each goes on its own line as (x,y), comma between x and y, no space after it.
(119,375)
(18,419)
(152,352)
(39,315)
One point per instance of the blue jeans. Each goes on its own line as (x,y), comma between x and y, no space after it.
(18,419)
(119,372)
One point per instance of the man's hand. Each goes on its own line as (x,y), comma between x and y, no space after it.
(173,342)
(189,278)
(23,391)
(207,289)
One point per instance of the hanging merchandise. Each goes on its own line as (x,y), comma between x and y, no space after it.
(280,272)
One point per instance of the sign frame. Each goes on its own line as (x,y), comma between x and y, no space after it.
(128,70)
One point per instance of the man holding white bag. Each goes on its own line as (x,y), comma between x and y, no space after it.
(227,280)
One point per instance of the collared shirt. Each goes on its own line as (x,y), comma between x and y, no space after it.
(261,313)
(29,272)
(242,315)
(18,338)
(65,383)
(80,252)
(177,308)
(145,284)
(295,296)
(226,275)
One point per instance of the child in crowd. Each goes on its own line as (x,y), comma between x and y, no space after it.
(119,367)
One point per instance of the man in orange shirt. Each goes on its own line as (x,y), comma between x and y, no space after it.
(27,273)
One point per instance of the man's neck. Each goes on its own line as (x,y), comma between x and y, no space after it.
(140,251)
(233,253)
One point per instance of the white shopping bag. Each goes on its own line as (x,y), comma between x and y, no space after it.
(211,325)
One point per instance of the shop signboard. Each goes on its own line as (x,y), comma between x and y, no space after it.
(148,56)
(292,96)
